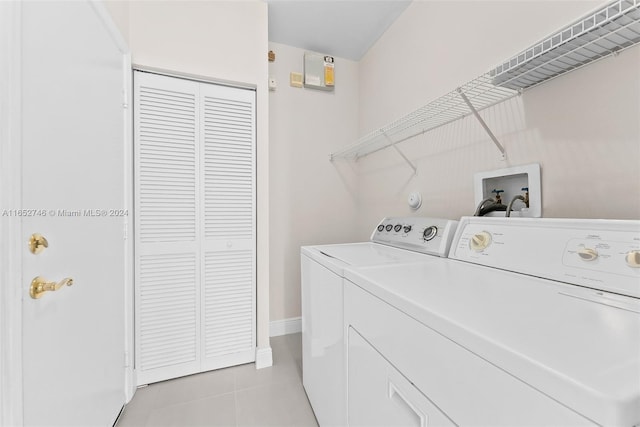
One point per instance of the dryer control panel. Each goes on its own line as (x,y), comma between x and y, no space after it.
(431,236)
(599,254)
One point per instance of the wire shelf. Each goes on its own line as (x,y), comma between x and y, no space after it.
(450,107)
(610,29)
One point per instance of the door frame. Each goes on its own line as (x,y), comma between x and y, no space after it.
(10,197)
(11,245)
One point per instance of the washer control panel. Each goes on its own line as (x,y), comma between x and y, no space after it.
(427,235)
(600,254)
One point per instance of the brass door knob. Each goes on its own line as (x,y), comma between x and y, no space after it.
(39,286)
(37,243)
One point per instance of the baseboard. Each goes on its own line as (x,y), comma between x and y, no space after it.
(291,325)
(264,357)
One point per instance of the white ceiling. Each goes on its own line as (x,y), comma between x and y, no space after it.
(342,28)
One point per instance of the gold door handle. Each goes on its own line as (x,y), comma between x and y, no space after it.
(39,286)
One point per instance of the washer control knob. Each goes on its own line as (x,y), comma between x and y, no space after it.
(429,233)
(381,227)
(407,228)
(397,228)
(587,254)
(480,241)
(633,259)
(389,227)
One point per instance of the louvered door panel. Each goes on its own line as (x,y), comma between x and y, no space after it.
(167,227)
(228,165)
(228,308)
(167,132)
(168,310)
(195,226)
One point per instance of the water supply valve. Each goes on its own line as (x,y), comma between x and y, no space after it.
(498,197)
(526,195)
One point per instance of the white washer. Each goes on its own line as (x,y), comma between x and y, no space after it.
(394,241)
(532,322)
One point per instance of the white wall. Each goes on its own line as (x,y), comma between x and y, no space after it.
(582,128)
(119,10)
(219,40)
(312,199)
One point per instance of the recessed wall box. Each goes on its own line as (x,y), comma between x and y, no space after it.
(319,71)
(511,181)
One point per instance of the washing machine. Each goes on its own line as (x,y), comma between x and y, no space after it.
(394,241)
(529,322)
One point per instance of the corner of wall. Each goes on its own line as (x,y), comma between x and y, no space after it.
(119,11)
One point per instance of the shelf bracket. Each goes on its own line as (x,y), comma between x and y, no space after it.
(482,122)
(393,144)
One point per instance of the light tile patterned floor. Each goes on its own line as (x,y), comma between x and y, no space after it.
(237,396)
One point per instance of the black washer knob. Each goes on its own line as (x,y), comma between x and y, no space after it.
(397,228)
(407,228)
(389,227)
(429,233)
(380,227)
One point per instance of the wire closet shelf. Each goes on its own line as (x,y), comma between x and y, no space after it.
(606,31)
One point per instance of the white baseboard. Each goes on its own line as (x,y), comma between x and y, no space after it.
(264,357)
(291,325)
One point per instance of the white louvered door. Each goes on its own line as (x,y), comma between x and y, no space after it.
(166,118)
(195,226)
(228,165)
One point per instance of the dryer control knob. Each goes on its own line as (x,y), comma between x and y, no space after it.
(429,233)
(633,259)
(480,241)
(397,228)
(381,227)
(587,254)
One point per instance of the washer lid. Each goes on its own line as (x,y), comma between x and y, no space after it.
(339,256)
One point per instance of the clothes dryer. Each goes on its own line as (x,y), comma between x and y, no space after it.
(394,241)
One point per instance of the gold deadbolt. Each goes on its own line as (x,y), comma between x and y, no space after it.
(39,286)
(37,243)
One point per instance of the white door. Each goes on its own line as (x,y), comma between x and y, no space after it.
(73,177)
(228,167)
(195,229)
(167,238)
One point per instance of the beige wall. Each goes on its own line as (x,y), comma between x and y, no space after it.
(219,40)
(312,199)
(582,128)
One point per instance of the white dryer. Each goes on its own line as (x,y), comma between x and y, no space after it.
(394,241)
(530,322)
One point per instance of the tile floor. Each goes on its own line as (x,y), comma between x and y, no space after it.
(236,396)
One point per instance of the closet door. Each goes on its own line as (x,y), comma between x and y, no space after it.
(229,243)
(195,226)
(167,298)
